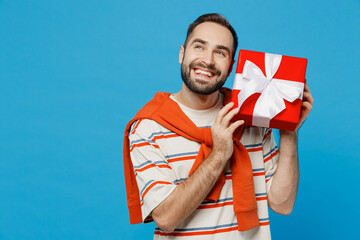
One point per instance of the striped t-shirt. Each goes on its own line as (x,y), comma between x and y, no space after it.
(162,159)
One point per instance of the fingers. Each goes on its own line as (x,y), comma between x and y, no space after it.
(223,112)
(223,123)
(227,118)
(305,111)
(235,125)
(223,119)
(225,115)
(307,106)
(306,87)
(307,97)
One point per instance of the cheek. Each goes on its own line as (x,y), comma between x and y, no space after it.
(192,56)
(225,68)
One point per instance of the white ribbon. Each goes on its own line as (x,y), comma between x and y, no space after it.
(273,91)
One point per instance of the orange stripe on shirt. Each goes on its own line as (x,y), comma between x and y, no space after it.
(181,158)
(152,185)
(228,177)
(198,233)
(136,125)
(271,155)
(151,166)
(264,223)
(259,174)
(165,136)
(261,198)
(254,149)
(143,144)
(267,134)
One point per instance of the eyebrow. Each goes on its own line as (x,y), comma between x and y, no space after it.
(199,41)
(222,47)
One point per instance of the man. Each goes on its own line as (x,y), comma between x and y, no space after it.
(182,175)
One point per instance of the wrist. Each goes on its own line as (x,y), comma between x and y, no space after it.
(288,133)
(217,160)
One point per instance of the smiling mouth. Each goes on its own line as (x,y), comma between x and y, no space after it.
(204,73)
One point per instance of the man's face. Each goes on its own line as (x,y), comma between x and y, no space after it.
(206,60)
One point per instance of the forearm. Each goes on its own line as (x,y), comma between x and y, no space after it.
(285,181)
(188,195)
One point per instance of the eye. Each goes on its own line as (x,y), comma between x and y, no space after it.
(198,47)
(220,53)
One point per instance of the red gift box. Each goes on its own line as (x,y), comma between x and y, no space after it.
(268,88)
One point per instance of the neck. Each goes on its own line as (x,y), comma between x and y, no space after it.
(196,101)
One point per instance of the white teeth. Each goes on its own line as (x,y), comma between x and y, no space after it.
(203,72)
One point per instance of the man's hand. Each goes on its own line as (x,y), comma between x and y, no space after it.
(306,106)
(188,195)
(222,131)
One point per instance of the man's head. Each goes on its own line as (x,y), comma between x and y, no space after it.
(207,55)
(215,18)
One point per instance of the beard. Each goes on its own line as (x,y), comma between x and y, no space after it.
(200,86)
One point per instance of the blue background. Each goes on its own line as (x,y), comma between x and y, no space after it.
(74,72)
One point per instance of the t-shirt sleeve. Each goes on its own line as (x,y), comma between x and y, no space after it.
(154,176)
(271,156)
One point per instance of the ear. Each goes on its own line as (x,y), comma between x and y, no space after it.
(231,67)
(181,54)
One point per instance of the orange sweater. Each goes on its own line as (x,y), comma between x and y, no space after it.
(167,113)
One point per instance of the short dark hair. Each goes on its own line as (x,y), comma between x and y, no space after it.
(215,18)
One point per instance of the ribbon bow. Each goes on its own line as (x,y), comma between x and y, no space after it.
(273,91)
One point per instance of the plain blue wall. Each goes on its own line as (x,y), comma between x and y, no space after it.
(73,73)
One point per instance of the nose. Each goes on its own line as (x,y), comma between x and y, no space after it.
(208,58)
